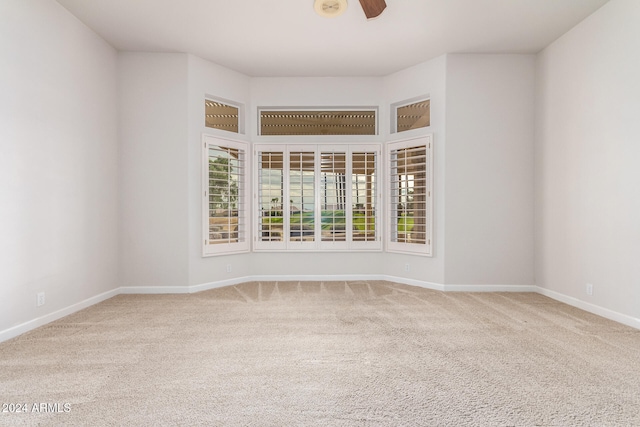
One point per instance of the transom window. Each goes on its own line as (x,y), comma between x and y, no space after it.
(221,115)
(317,197)
(318,122)
(411,115)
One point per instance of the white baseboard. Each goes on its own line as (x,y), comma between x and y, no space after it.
(20,329)
(489,288)
(154,290)
(354,277)
(591,308)
(317,278)
(413,282)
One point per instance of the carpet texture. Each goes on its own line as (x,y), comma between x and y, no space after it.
(324,354)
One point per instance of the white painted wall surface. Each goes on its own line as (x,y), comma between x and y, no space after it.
(58,161)
(489,169)
(587,150)
(154,169)
(315,92)
(427,78)
(208,79)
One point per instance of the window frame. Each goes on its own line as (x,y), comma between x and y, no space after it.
(392,245)
(317,244)
(244,221)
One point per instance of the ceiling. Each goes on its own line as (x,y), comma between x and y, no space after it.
(287,38)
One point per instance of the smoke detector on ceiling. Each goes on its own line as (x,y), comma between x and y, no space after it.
(330,8)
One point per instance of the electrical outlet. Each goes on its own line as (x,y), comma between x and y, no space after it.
(589,289)
(228,268)
(40,299)
(407,267)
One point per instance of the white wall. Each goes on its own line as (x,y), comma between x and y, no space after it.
(154,169)
(587,150)
(427,78)
(58,161)
(489,169)
(208,79)
(315,92)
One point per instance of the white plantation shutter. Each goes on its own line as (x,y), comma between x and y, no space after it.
(333,195)
(317,197)
(270,198)
(364,197)
(410,196)
(300,198)
(225,209)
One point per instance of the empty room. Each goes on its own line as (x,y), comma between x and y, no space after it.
(320,212)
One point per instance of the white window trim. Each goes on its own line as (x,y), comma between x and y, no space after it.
(286,245)
(244,191)
(402,247)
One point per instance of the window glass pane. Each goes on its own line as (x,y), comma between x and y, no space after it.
(226,172)
(363,190)
(413,116)
(221,116)
(301,196)
(271,195)
(333,175)
(329,122)
(409,195)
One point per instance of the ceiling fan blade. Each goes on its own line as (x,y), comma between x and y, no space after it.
(373,8)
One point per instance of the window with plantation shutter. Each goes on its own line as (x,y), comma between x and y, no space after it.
(225,204)
(317,197)
(333,195)
(364,200)
(410,196)
(270,196)
(300,198)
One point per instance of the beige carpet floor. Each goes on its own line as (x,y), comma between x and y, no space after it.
(324,354)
